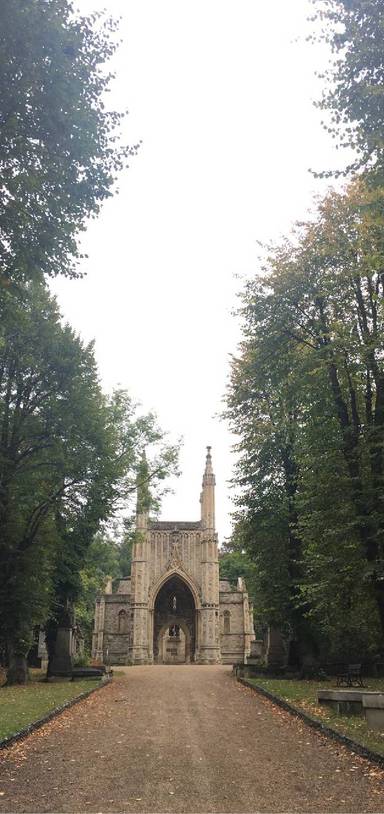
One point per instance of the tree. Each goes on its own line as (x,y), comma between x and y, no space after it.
(69,459)
(354,29)
(328,293)
(55,449)
(102,559)
(234,563)
(264,408)
(59,143)
(125,549)
(310,373)
(336,584)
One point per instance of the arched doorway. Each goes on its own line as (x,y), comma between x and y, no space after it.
(174,625)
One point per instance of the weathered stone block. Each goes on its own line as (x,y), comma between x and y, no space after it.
(345,702)
(373,705)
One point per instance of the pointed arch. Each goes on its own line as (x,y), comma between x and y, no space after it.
(174,572)
(187,636)
(122,621)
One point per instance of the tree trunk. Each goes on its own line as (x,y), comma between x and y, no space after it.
(18,667)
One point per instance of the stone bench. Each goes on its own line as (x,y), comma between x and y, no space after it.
(373,706)
(346,702)
(353,702)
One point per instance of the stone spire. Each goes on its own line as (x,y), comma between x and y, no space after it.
(209,652)
(208,494)
(138,651)
(143,494)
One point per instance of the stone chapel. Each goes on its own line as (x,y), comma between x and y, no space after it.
(173,608)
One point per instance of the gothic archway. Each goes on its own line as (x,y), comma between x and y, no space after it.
(174,611)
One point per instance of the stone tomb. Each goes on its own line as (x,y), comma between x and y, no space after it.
(373,706)
(356,702)
(344,702)
(173,608)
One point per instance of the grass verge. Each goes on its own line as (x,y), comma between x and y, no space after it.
(303,696)
(21,706)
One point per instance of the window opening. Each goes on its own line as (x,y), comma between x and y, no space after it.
(122,625)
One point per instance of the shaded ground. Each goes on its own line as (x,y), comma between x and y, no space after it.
(183,739)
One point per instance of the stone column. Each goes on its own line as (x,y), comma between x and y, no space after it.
(209,638)
(246,623)
(138,650)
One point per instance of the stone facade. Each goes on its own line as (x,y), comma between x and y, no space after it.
(173,608)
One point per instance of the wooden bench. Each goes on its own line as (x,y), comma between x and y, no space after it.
(350,676)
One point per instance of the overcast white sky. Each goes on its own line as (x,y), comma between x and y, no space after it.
(220,92)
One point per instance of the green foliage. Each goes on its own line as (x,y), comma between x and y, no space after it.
(112,488)
(59,145)
(125,552)
(235,564)
(108,555)
(81,660)
(306,398)
(101,560)
(69,461)
(54,445)
(354,94)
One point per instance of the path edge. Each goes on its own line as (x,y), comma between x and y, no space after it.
(354,746)
(54,713)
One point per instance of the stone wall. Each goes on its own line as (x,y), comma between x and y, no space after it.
(232,643)
(236,630)
(117,628)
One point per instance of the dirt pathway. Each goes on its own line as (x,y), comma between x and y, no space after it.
(183,739)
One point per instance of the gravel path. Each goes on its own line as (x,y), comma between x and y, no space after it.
(183,739)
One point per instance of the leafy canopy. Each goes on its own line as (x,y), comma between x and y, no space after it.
(59,144)
(354,92)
